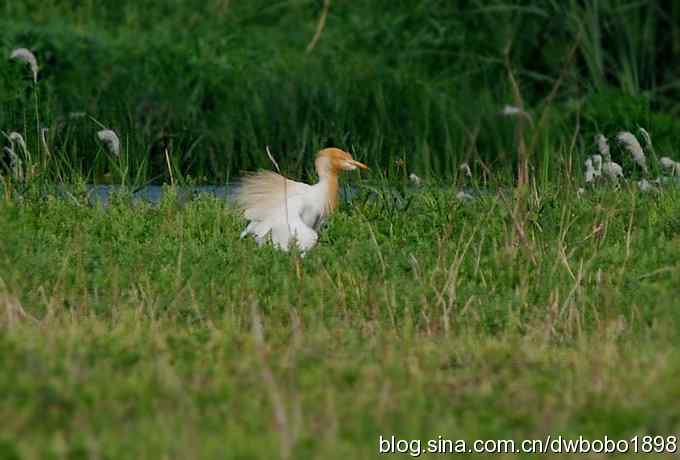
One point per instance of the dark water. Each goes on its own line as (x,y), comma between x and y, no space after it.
(153,194)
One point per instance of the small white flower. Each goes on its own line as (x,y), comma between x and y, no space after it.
(110,139)
(465,168)
(580,191)
(415,179)
(631,144)
(24,55)
(602,145)
(612,170)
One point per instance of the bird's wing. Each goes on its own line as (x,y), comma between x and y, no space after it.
(265,193)
(275,204)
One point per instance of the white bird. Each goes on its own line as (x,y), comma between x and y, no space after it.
(290,211)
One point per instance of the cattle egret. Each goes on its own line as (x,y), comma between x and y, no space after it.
(286,210)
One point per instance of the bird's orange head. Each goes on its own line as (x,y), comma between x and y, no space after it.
(333,160)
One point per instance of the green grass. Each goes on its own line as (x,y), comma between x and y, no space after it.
(132,331)
(139,331)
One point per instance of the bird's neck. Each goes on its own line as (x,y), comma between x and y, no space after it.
(329,183)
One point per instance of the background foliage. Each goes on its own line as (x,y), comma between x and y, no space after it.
(424,81)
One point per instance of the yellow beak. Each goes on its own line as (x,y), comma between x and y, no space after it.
(358,164)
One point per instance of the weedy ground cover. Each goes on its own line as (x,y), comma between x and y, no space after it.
(136,330)
(541,300)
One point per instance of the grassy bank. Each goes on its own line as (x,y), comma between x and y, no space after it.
(138,331)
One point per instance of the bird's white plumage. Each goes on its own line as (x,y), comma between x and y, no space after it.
(287,211)
(283,209)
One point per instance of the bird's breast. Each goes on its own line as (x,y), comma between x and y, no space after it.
(313,216)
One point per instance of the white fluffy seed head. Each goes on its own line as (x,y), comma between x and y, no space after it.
(465,168)
(645,186)
(672,166)
(631,144)
(602,145)
(612,170)
(110,139)
(25,55)
(43,138)
(590,172)
(15,164)
(666,162)
(18,138)
(513,111)
(597,164)
(464,196)
(645,135)
(590,177)
(415,179)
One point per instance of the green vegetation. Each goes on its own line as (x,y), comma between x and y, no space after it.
(214,82)
(152,331)
(128,332)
